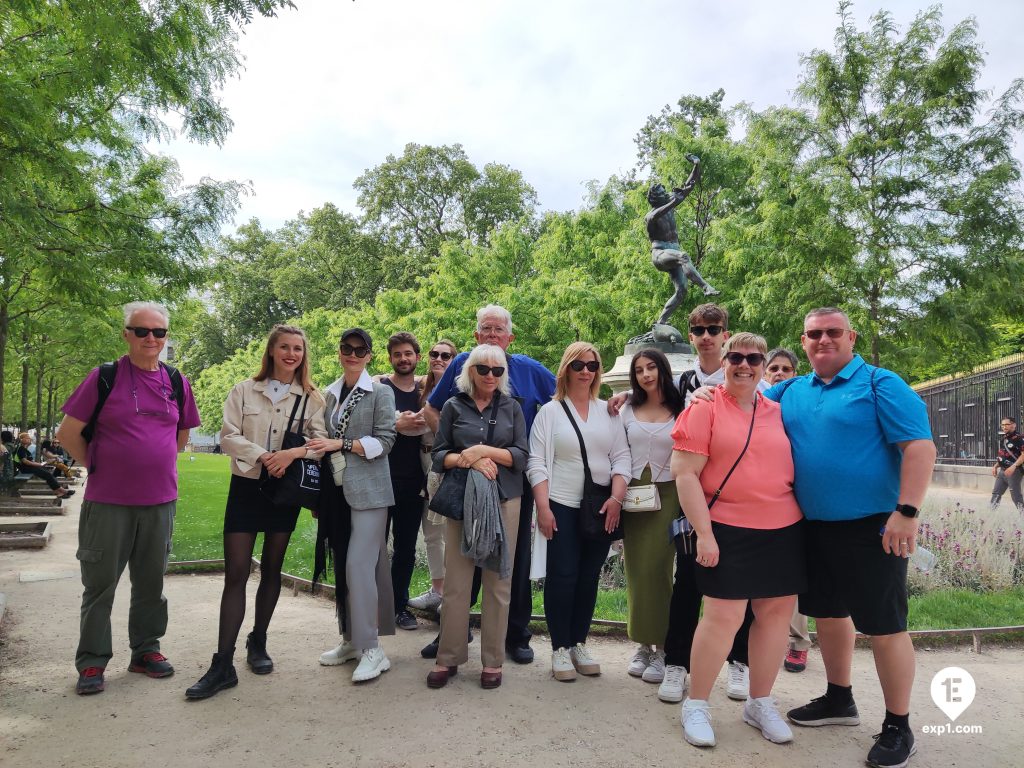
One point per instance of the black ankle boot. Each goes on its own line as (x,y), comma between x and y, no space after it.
(221,675)
(257,657)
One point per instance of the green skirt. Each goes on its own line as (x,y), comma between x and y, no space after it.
(649,563)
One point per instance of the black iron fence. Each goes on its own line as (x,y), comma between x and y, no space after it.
(965,410)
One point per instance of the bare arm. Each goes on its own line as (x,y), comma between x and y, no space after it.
(686,469)
(432,416)
(183,439)
(915,475)
(70,434)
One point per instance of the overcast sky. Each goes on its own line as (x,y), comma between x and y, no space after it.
(554,88)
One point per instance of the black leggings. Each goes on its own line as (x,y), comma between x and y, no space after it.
(43,474)
(238,549)
(684,611)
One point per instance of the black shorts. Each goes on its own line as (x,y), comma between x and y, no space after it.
(849,574)
(755,563)
(249,511)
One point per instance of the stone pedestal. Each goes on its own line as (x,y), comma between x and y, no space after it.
(680,357)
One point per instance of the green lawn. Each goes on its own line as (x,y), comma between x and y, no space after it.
(203,487)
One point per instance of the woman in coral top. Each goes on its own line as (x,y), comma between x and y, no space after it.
(749,543)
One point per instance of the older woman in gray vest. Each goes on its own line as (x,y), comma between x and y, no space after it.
(355,496)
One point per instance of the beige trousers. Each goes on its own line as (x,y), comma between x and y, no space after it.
(458,581)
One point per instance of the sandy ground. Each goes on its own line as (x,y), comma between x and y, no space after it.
(306,715)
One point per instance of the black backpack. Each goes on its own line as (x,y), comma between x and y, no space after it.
(105,383)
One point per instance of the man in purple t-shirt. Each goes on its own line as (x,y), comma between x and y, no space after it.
(128,511)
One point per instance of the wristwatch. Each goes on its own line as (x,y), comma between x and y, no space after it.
(907,511)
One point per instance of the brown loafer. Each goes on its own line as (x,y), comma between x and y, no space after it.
(439,678)
(490,679)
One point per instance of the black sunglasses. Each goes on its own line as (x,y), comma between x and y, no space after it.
(777,367)
(158,333)
(753,359)
(434,354)
(713,330)
(833,333)
(579,365)
(496,370)
(348,349)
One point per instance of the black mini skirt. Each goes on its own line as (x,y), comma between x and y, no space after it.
(250,511)
(755,563)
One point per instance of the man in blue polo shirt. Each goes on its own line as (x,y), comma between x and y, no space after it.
(863,454)
(533,385)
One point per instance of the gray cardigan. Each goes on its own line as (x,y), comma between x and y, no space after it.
(367,482)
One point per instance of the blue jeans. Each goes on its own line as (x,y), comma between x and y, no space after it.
(570,587)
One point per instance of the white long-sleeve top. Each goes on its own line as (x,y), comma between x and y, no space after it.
(555,450)
(650,444)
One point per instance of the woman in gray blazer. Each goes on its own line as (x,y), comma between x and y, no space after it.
(355,496)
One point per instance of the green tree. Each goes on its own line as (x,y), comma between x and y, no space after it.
(433,195)
(900,202)
(88,215)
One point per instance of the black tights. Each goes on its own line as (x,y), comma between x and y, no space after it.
(238,548)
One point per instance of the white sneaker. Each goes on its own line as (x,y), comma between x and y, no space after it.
(763,713)
(428,601)
(640,661)
(344,652)
(696,720)
(585,663)
(561,665)
(674,685)
(655,671)
(738,687)
(372,663)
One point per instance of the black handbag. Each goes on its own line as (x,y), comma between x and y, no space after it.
(594,497)
(450,497)
(299,486)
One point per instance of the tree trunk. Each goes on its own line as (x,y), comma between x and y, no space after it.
(39,402)
(51,387)
(5,322)
(24,381)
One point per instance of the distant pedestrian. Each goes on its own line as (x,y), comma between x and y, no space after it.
(1007,467)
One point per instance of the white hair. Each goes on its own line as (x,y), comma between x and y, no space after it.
(482,355)
(493,310)
(139,306)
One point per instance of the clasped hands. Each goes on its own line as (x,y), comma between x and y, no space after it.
(475,457)
(277,462)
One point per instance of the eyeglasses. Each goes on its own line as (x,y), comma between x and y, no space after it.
(712,330)
(165,394)
(753,359)
(496,370)
(158,333)
(776,368)
(493,329)
(434,354)
(348,349)
(833,333)
(590,365)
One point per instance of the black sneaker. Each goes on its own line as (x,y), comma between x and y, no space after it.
(893,747)
(405,620)
(824,711)
(520,654)
(429,651)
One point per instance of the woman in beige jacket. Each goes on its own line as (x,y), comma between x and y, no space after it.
(256,416)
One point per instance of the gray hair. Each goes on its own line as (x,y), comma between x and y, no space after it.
(139,306)
(818,312)
(497,311)
(482,355)
(783,352)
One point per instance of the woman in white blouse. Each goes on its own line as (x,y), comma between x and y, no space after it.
(649,555)
(555,471)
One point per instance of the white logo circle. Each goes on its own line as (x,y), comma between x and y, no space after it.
(953,691)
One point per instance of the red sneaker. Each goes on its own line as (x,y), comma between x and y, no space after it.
(90,680)
(154,664)
(796,661)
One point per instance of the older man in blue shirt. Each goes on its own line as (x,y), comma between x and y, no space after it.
(863,454)
(533,385)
